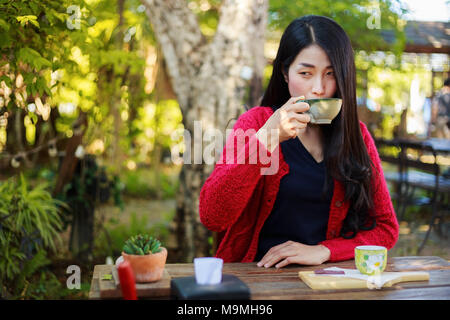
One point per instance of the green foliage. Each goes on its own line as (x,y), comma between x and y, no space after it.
(169,186)
(115,233)
(74,52)
(392,85)
(35,282)
(138,185)
(89,186)
(44,286)
(155,126)
(352,15)
(142,245)
(98,66)
(207,13)
(29,224)
(111,240)
(147,183)
(30,28)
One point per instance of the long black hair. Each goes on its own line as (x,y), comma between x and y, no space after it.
(345,153)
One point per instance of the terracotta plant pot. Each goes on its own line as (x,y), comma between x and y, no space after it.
(147,268)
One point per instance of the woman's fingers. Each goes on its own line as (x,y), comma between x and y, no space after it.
(301,117)
(291,122)
(294,100)
(289,119)
(277,253)
(300,123)
(268,256)
(285,262)
(295,252)
(271,260)
(298,107)
(298,120)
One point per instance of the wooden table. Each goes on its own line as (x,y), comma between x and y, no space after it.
(284,284)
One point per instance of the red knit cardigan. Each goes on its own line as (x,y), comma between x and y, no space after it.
(237,198)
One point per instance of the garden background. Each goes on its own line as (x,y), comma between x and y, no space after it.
(94,94)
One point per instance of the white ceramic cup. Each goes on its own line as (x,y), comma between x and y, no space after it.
(324,110)
(208,270)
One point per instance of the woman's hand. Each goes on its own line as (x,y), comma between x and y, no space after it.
(286,121)
(294,252)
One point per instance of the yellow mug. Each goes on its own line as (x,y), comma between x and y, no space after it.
(370,260)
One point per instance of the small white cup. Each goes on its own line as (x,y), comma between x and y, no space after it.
(208,270)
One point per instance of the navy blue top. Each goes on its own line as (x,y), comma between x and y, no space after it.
(300,212)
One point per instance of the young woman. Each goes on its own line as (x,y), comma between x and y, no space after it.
(329,193)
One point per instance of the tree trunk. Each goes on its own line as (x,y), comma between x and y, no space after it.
(115,98)
(209,80)
(70,161)
(81,232)
(82,229)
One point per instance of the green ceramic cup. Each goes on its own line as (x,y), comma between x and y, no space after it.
(370,260)
(323,111)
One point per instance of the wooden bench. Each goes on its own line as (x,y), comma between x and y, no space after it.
(413,174)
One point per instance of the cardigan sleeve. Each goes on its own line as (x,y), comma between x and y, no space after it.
(386,230)
(227,191)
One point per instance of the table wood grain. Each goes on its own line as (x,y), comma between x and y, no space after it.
(285,284)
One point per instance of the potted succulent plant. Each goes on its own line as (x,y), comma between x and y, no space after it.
(146,256)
